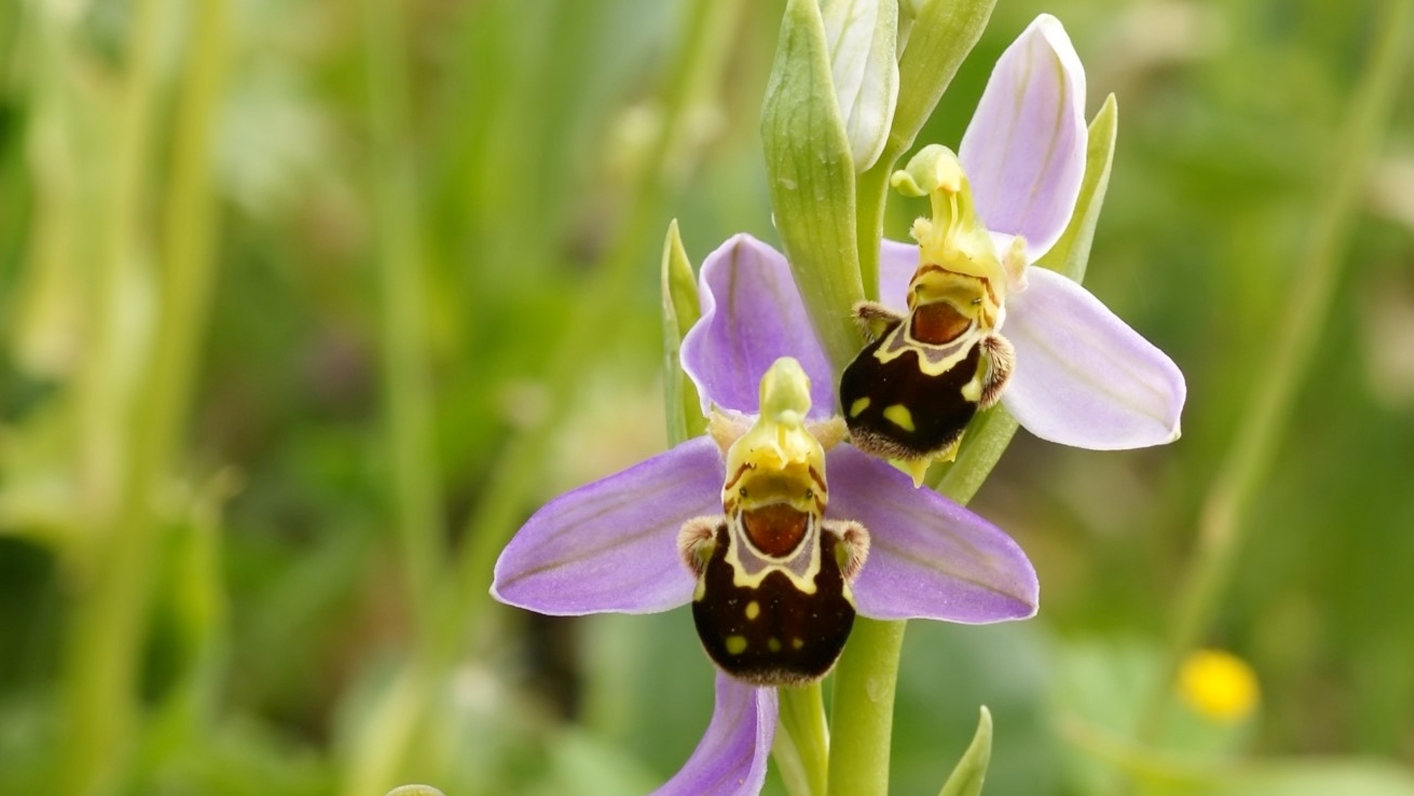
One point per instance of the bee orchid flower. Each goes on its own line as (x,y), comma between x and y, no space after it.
(771,529)
(964,321)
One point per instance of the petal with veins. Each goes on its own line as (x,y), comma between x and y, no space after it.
(612,545)
(1083,377)
(1024,150)
(929,558)
(752,314)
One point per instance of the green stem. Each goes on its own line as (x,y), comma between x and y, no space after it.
(871,194)
(862,716)
(110,618)
(1222,529)
(802,748)
(866,676)
(987,439)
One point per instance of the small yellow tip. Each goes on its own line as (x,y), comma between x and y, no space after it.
(949,174)
(916,468)
(1218,685)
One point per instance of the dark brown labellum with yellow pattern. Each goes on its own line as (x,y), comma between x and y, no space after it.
(898,403)
(895,410)
(773,633)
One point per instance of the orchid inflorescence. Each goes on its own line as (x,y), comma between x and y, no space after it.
(800,506)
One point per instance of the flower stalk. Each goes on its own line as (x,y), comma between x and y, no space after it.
(802,748)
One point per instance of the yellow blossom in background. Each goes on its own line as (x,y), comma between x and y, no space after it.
(1218,685)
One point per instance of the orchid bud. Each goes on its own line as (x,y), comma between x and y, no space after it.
(862,38)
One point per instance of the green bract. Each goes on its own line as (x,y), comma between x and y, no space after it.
(942,34)
(680,312)
(971,771)
(811,174)
(1071,253)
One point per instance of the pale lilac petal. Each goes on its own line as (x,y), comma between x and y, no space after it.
(612,545)
(897,262)
(752,314)
(1083,377)
(730,760)
(929,558)
(1024,150)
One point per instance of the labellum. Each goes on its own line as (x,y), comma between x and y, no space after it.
(909,394)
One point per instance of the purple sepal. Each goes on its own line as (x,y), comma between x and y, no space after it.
(752,314)
(929,558)
(730,760)
(612,545)
(1083,377)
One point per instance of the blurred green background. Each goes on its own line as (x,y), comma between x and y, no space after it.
(306,304)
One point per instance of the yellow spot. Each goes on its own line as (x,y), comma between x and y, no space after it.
(736,645)
(773,644)
(753,609)
(796,643)
(899,415)
(972,391)
(859,405)
(1218,685)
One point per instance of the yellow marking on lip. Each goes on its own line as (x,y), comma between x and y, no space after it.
(753,609)
(972,391)
(773,644)
(736,645)
(796,643)
(859,405)
(899,415)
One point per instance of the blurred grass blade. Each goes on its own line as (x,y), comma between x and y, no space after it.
(1222,531)
(402,288)
(382,743)
(110,627)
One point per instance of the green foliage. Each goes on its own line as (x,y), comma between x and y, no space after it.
(810,171)
(971,771)
(305,306)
